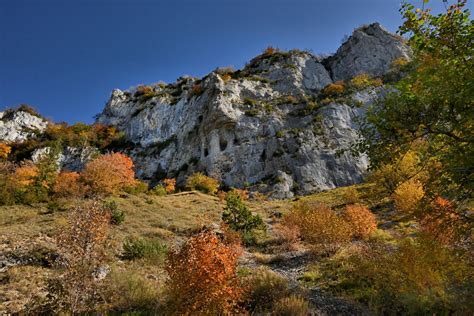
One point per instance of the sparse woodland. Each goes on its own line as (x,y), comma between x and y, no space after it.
(102,241)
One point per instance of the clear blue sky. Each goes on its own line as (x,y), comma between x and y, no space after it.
(64,57)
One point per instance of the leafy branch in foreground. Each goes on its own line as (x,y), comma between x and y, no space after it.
(433,103)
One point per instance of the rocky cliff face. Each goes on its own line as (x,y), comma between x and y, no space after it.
(266,125)
(370,49)
(20,125)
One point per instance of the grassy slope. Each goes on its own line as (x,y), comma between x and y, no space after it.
(25,230)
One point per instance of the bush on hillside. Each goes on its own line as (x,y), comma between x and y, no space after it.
(408,196)
(238,216)
(442,223)
(5,150)
(334,89)
(318,224)
(203,277)
(67,185)
(418,277)
(199,181)
(108,174)
(170,185)
(138,248)
(361,220)
(265,287)
(82,250)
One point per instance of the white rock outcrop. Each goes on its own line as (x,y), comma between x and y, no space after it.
(370,49)
(20,125)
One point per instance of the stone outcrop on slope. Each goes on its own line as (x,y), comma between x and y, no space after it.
(370,49)
(18,125)
(260,126)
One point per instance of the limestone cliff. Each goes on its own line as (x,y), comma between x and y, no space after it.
(267,125)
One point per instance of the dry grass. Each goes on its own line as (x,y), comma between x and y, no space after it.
(170,219)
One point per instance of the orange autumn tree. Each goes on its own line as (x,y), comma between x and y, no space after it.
(25,175)
(109,174)
(203,277)
(5,150)
(67,185)
(442,222)
(361,220)
(170,185)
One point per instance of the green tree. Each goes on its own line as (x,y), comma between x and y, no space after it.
(433,103)
(238,216)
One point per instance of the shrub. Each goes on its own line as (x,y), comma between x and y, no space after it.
(351,195)
(399,63)
(361,80)
(199,181)
(203,277)
(81,247)
(226,77)
(31,183)
(28,109)
(408,195)
(197,90)
(136,188)
(242,193)
(5,150)
(269,51)
(418,277)
(318,224)
(170,185)
(252,112)
(8,188)
(361,220)
(291,99)
(25,174)
(116,216)
(109,174)
(289,234)
(334,89)
(144,92)
(225,70)
(67,185)
(291,306)
(389,176)
(364,80)
(159,190)
(138,248)
(250,101)
(442,222)
(265,287)
(238,216)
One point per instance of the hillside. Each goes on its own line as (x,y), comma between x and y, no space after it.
(297,185)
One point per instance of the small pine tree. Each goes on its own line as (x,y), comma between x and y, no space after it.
(238,216)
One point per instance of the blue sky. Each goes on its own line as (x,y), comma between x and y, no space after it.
(64,57)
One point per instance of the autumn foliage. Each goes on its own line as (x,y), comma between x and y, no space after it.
(170,185)
(442,222)
(408,195)
(334,89)
(203,277)
(361,220)
(67,185)
(5,150)
(81,247)
(109,174)
(201,182)
(25,174)
(318,224)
